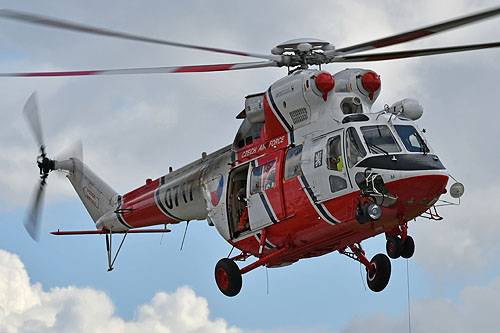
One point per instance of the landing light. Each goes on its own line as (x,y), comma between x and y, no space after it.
(457,190)
(368,212)
(373,211)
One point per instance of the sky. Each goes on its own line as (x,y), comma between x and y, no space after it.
(136,127)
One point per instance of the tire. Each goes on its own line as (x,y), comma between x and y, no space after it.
(408,248)
(228,277)
(393,246)
(380,278)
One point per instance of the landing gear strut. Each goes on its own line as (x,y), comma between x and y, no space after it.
(228,274)
(378,270)
(109,238)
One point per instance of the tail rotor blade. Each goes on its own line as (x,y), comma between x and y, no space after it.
(31,114)
(31,223)
(46,165)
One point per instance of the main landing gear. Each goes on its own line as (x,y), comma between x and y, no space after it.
(378,270)
(228,277)
(228,274)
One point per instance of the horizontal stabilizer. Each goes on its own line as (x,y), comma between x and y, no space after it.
(106,232)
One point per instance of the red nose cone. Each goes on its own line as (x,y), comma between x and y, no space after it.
(371,82)
(325,83)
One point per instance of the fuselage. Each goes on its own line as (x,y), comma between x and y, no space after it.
(301,157)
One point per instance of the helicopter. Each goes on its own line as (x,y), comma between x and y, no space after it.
(312,168)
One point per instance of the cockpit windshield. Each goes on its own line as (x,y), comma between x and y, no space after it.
(379,139)
(411,139)
(354,147)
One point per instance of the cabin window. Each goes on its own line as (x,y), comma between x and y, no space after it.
(263,177)
(256,180)
(379,139)
(334,154)
(337,183)
(355,149)
(411,139)
(293,162)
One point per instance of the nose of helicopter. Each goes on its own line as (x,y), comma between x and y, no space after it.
(416,194)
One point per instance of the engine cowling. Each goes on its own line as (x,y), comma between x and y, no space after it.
(365,83)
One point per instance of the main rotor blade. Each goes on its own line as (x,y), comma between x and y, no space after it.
(67,25)
(418,33)
(413,53)
(31,223)
(151,70)
(30,112)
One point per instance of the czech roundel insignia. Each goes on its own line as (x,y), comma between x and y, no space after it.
(216,187)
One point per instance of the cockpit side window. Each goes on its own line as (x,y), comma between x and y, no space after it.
(246,134)
(355,149)
(379,139)
(293,161)
(411,139)
(334,154)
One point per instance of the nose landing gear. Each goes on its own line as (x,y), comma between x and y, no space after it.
(408,248)
(399,243)
(396,248)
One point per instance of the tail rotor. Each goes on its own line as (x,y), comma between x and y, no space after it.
(45,164)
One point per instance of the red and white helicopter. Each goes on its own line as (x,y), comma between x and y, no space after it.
(312,168)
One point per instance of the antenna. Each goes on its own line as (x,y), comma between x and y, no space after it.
(184,237)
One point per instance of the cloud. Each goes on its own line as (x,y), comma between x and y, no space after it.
(26,307)
(465,242)
(476,311)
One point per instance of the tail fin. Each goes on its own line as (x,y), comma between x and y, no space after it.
(96,195)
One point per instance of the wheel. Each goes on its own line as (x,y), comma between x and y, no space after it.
(408,248)
(228,277)
(380,277)
(393,247)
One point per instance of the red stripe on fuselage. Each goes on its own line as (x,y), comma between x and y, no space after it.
(140,209)
(308,236)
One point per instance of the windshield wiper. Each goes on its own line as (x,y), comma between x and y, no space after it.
(425,148)
(372,145)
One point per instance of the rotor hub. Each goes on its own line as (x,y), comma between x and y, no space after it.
(304,51)
(45,165)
